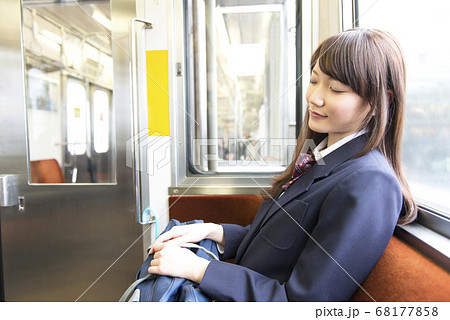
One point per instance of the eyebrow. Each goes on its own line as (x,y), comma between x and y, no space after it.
(317,74)
(325,75)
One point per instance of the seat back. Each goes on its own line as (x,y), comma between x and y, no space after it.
(46,171)
(404,274)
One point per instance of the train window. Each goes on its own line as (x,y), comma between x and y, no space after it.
(101,121)
(76,117)
(241,84)
(426,152)
(44,114)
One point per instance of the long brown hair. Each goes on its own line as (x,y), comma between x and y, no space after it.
(371,63)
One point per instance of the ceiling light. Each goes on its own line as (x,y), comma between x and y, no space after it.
(48,42)
(51,36)
(102,19)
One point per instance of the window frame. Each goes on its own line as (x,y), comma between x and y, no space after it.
(196,102)
(186,179)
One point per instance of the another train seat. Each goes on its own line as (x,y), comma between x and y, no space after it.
(402,275)
(46,171)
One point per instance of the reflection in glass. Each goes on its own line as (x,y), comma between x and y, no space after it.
(69,81)
(101,121)
(44,115)
(76,118)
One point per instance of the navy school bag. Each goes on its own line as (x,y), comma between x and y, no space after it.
(156,288)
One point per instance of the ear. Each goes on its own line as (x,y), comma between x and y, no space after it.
(390,96)
(373,112)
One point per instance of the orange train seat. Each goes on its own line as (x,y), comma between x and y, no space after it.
(46,171)
(403,274)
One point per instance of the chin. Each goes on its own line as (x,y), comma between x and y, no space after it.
(314,127)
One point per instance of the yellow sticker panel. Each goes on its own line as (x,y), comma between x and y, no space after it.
(158,92)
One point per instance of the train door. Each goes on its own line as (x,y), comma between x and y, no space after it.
(67,203)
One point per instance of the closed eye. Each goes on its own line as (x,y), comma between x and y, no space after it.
(337,90)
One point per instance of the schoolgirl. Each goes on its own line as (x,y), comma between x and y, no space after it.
(329,216)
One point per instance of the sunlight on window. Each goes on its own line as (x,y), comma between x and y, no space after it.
(101,121)
(426,45)
(76,118)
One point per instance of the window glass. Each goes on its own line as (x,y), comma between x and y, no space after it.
(420,27)
(76,118)
(67,52)
(241,70)
(44,115)
(101,121)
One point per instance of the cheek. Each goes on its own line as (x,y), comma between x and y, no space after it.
(353,119)
(350,110)
(344,114)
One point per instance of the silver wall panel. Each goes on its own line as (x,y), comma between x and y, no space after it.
(68,235)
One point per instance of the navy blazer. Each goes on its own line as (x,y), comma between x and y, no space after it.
(319,240)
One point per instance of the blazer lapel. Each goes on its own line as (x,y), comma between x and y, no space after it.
(317,171)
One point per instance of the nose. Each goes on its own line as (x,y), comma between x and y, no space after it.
(316,96)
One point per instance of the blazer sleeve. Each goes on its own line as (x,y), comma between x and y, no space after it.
(355,223)
(233,237)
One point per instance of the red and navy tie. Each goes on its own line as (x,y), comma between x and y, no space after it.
(303,163)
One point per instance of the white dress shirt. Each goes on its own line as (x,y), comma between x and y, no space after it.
(321,151)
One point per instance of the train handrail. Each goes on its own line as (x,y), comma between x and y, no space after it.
(140,209)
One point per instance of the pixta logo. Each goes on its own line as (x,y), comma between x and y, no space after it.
(148,151)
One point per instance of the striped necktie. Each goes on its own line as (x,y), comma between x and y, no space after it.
(303,163)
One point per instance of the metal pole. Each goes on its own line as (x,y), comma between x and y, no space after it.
(211,62)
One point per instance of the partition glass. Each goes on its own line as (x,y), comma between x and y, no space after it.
(69,84)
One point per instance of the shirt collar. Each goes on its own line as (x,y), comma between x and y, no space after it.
(321,150)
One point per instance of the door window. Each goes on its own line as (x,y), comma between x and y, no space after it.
(69,82)
(101,121)
(76,118)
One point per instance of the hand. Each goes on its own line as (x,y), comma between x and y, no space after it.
(189,233)
(175,261)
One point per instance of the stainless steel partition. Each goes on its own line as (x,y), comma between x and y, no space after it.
(67,242)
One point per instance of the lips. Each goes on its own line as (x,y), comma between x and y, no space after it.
(316,115)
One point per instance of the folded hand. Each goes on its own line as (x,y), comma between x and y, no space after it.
(172,260)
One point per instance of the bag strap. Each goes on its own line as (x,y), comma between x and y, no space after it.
(133,286)
(196,246)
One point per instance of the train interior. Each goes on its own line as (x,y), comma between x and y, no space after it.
(118,115)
